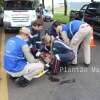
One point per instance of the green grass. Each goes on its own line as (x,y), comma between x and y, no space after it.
(60,17)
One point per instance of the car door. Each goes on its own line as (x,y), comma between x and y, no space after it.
(82,10)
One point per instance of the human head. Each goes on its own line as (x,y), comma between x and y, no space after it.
(38,24)
(40,5)
(25,33)
(46,39)
(56,26)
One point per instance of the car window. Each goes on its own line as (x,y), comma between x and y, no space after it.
(93,8)
(18,5)
(83,8)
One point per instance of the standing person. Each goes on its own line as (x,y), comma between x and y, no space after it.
(74,33)
(18,60)
(39,11)
(62,52)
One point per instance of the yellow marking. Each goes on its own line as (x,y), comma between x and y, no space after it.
(3,81)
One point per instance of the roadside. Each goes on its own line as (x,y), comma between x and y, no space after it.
(3,81)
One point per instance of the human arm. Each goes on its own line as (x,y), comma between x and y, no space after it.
(28,55)
(62,51)
(64,36)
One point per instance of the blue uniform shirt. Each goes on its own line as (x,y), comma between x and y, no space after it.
(71,28)
(14,60)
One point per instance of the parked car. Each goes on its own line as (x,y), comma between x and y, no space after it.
(90,13)
(1,16)
(78,14)
(47,15)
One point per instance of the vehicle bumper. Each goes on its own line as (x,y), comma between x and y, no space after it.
(7,26)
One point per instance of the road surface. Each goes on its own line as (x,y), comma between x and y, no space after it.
(86,85)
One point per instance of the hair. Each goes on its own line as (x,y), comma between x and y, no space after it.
(24,30)
(43,37)
(39,21)
(47,32)
(55,24)
(40,5)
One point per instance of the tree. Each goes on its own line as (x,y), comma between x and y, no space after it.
(65,7)
(52,6)
(1,2)
(92,0)
(35,4)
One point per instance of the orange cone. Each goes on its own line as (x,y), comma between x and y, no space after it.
(92,42)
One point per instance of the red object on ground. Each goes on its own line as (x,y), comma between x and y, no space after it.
(92,42)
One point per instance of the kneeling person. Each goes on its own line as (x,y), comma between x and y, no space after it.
(18,60)
(59,49)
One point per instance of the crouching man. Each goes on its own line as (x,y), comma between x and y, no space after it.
(63,54)
(19,63)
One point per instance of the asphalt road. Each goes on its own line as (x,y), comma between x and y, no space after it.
(86,85)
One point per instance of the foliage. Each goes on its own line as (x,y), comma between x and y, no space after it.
(1,2)
(35,4)
(61,17)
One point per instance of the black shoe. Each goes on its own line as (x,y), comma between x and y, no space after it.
(86,65)
(12,78)
(74,65)
(22,82)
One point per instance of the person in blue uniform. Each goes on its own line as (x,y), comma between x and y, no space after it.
(19,63)
(75,33)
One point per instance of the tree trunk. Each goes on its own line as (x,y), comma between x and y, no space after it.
(52,6)
(65,7)
(43,4)
(92,0)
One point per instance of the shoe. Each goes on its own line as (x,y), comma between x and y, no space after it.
(21,82)
(74,65)
(12,78)
(86,65)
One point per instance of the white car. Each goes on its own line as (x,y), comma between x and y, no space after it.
(47,15)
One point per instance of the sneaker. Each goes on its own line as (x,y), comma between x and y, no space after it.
(86,65)
(22,82)
(74,65)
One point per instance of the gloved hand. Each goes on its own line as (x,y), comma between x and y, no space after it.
(38,53)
